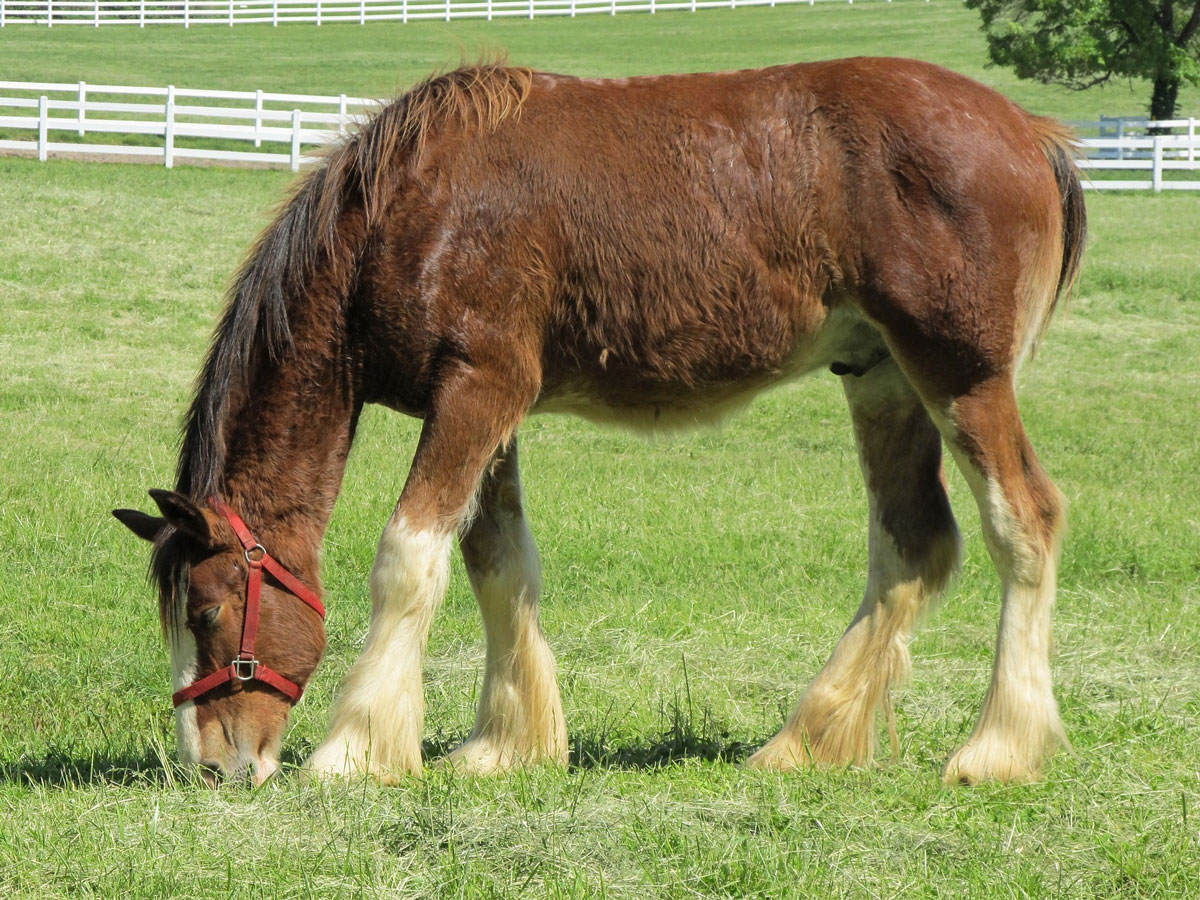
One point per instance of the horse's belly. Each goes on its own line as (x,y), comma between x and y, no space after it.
(614,392)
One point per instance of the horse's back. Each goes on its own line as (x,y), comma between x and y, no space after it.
(667,240)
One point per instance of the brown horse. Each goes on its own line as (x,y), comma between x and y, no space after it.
(649,252)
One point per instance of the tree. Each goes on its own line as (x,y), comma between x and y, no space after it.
(1083,43)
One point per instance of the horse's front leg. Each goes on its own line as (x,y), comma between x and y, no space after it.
(378,717)
(520,718)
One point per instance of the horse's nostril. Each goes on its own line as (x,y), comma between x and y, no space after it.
(211,772)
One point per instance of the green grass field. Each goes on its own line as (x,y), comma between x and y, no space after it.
(693,583)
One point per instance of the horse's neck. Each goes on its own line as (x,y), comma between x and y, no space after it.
(286,446)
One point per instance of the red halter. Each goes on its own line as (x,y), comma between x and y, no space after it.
(245,667)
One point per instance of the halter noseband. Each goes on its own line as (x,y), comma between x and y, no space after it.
(244,666)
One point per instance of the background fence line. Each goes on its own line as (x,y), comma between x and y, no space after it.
(246,117)
(231,127)
(319,12)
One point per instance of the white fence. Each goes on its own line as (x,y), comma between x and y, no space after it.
(1125,144)
(320,12)
(272,129)
(249,118)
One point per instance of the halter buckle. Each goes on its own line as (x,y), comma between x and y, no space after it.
(244,669)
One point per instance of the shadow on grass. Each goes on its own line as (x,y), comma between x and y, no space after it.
(685,736)
(65,770)
(148,767)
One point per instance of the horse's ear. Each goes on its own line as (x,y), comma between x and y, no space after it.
(184,515)
(144,526)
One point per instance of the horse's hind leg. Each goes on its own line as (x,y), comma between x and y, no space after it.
(913,551)
(378,717)
(520,717)
(1022,515)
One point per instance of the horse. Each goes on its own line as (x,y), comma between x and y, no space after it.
(649,252)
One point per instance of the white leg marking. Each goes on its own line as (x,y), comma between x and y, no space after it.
(1019,721)
(834,721)
(379,714)
(520,718)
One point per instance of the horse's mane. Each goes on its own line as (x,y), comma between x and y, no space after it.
(360,173)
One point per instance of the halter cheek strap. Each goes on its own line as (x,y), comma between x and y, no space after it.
(244,667)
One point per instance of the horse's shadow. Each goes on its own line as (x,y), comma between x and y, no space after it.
(684,737)
(679,742)
(61,771)
(57,769)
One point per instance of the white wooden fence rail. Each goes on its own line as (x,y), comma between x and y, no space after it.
(170,113)
(288,123)
(319,12)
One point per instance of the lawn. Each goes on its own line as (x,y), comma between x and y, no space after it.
(693,583)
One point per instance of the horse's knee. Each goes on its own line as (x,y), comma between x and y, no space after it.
(411,567)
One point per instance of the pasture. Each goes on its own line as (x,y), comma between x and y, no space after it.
(693,582)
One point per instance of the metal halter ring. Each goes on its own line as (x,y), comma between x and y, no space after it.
(243,669)
(259,552)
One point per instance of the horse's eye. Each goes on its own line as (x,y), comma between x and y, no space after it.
(207,620)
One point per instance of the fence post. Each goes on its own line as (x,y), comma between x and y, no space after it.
(1191,139)
(318,13)
(258,117)
(141,13)
(1,13)
(489,10)
(230,13)
(295,140)
(530,7)
(612,10)
(362,12)
(404,12)
(43,125)
(341,115)
(50,13)
(169,129)
(187,14)
(572,8)
(96,18)
(1158,163)
(82,100)
(447,10)
(274,13)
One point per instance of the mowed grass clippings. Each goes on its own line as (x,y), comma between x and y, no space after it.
(693,583)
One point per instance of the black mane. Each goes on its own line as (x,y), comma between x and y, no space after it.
(360,173)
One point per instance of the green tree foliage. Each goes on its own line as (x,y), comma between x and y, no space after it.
(1083,43)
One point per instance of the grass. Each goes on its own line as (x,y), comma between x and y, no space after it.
(693,582)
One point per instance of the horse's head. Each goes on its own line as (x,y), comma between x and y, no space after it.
(244,632)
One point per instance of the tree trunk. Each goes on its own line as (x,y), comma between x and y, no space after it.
(1164,100)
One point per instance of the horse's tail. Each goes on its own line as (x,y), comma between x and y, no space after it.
(1060,148)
